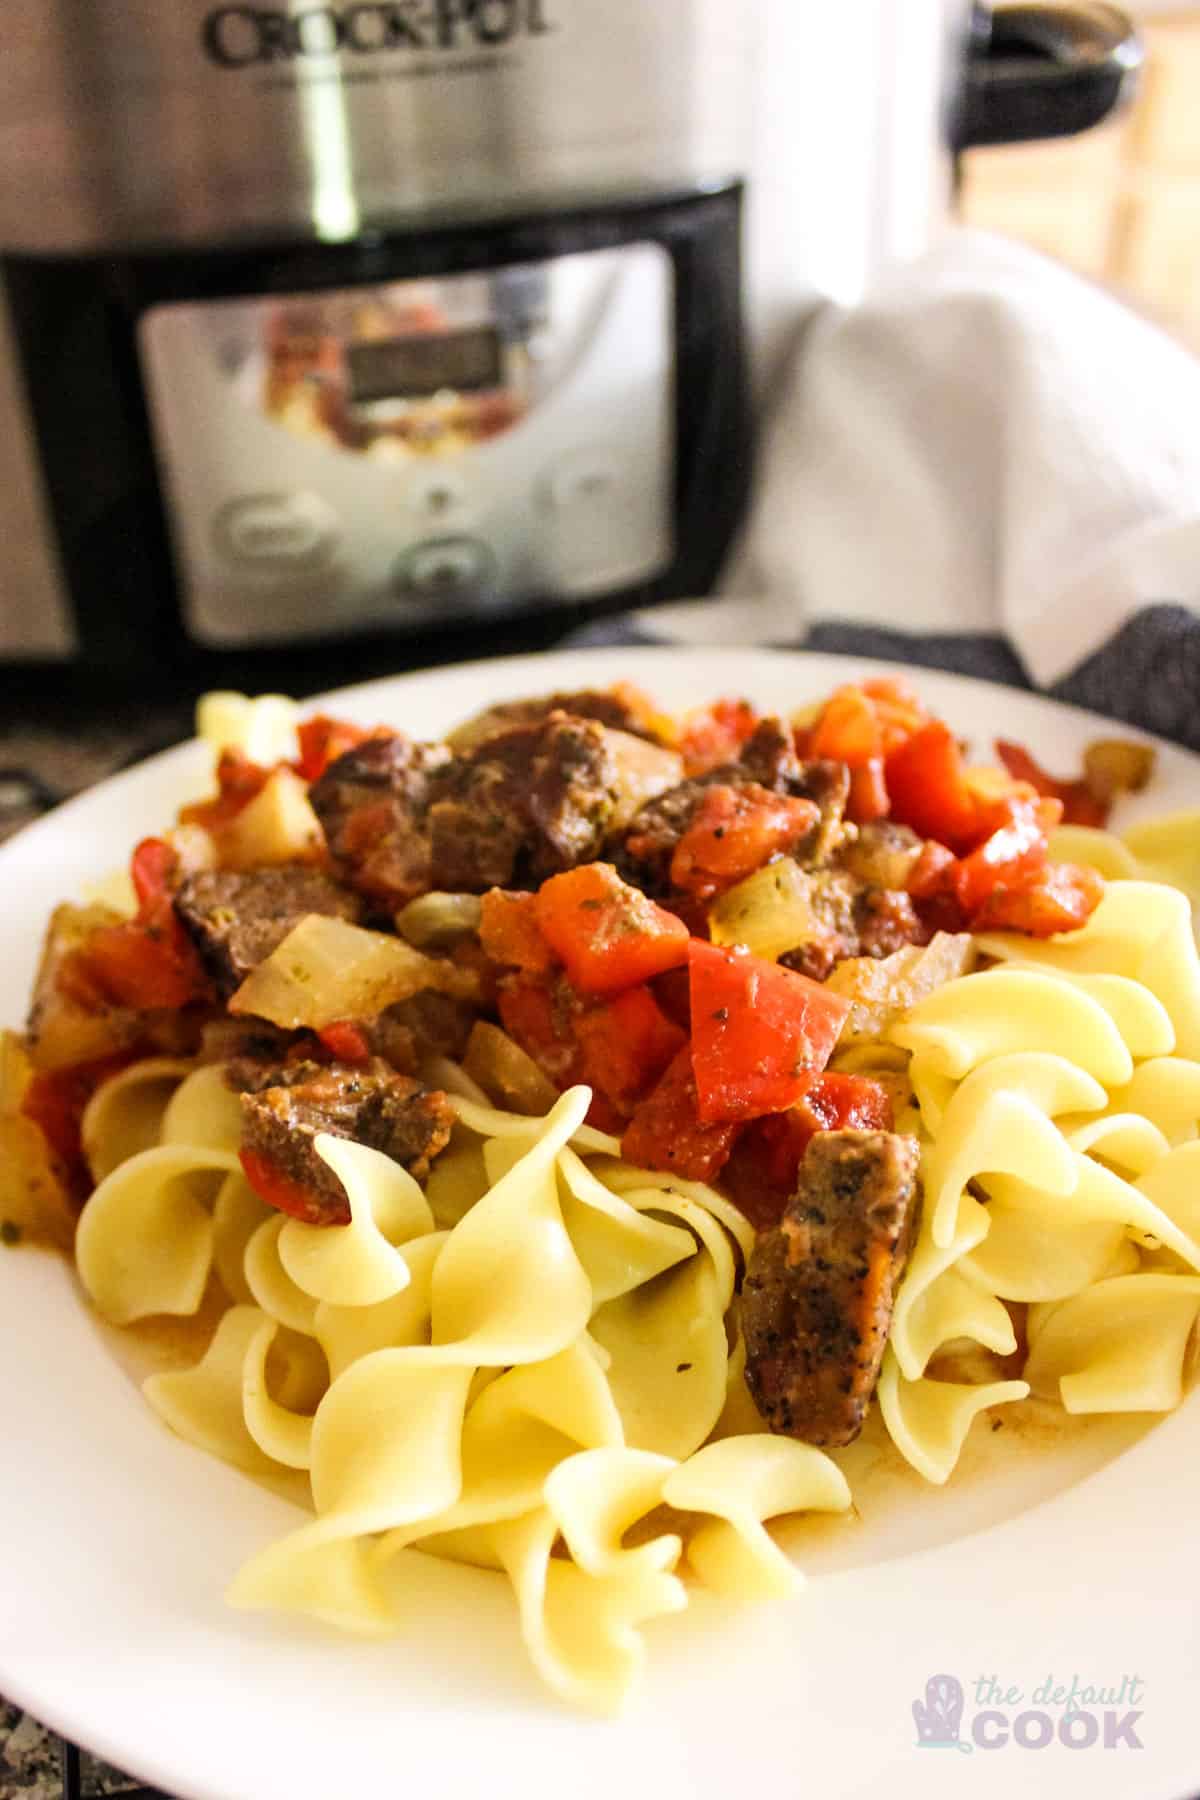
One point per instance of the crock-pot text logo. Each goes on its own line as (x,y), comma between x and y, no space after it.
(236,37)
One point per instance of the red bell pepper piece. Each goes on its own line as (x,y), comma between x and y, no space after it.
(868,798)
(924,778)
(933,871)
(1061,898)
(239,781)
(346,1042)
(1011,857)
(667,1132)
(148,962)
(540,1018)
(1080,805)
(607,934)
(279,1190)
(626,1045)
(734,832)
(508,931)
(714,734)
(322,740)
(56,1100)
(763,1173)
(836,1102)
(759,1032)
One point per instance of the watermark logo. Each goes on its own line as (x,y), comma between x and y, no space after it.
(939,1715)
(1079,1715)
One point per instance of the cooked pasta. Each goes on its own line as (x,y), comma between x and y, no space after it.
(501,1337)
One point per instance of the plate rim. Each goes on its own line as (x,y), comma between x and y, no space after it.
(639,663)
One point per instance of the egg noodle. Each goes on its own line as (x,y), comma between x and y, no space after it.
(533,1364)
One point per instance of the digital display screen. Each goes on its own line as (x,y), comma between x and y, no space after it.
(423,363)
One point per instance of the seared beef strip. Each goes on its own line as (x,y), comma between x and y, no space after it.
(291,1106)
(236,919)
(819,1289)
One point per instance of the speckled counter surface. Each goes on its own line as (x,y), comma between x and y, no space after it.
(32,1766)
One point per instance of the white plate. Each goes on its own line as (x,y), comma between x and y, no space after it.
(117,1539)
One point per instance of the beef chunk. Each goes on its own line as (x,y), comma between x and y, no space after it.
(402,818)
(372,803)
(236,918)
(609,707)
(819,1289)
(643,855)
(425,1024)
(851,918)
(283,1116)
(525,804)
(827,785)
(767,759)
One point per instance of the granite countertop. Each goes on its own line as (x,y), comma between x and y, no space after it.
(33,1766)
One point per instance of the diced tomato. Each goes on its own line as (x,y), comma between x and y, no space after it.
(847,730)
(607,934)
(322,740)
(836,1102)
(148,962)
(759,1032)
(673,993)
(897,709)
(734,832)
(508,931)
(151,868)
(146,967)
(56,1099)
(894,690)
(540,1018)
(763,1172)
(925,781)
(933,871)
(1062,898)
(626,1045)
(346,1042)
(238,782)
(667,1132)
(714,734)
(868,797)
(863,722)
(1010,858)
(1080,805)
(279,1190)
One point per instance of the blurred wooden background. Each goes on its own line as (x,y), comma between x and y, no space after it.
(1122,202)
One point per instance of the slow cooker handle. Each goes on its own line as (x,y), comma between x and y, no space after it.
(1047,71)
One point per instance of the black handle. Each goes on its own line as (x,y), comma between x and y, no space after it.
(1047,71)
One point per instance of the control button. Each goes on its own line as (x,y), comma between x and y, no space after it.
(583,480)
(437,497)
(276,530)
(446,569)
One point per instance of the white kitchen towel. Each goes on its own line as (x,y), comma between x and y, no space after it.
(991,465)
